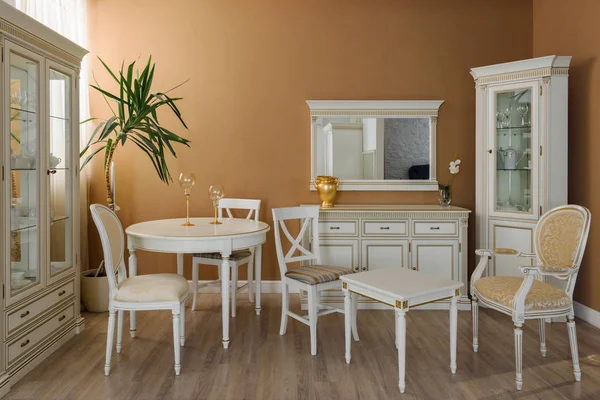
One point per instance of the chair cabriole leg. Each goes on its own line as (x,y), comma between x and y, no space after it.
(284,307)
(574,349)
(542,329)
(475,316)
(120,315)
(519,356)
(110,335)
(176,345)
(312,318)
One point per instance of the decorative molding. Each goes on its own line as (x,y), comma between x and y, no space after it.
(587,314)
(433,120)
(373,113)
(327,214)
(520,75)
(464,222)
(31,31)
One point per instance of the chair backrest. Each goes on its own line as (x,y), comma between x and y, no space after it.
(309,217)
(561,236)
(113,244)
(253,206)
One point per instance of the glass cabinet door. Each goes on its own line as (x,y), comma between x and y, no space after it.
(513,158)
(59,171)
(24,127)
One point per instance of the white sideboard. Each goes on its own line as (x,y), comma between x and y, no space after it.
(425,238)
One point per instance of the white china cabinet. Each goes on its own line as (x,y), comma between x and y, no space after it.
(521,156)
(39,227)
(425,238)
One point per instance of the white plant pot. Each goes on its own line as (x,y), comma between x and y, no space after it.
(94,291)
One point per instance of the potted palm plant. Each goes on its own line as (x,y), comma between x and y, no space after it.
(134,121)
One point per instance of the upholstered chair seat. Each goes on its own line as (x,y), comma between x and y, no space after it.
(503,289)
(236,259)
(136,293)
(559,242)
(315,274)
(152,288)
(311,279)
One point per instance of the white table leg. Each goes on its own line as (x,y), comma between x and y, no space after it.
(257,273)
(132,272)
(453,332)
(225,296)
(401,332)
(348,309)
(180,264)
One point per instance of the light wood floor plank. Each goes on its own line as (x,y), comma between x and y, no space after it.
(261,364)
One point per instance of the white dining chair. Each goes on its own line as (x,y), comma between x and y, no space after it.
(140,292)
(312,277)
(559,239)
(237,258)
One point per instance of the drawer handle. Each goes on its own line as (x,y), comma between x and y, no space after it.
(62,292)
(62,317)
(25,343)
(334,227)
(414,268)
(434,228)
(364,268)
(26,313)
(384,228)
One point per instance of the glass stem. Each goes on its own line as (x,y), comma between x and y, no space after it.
(216,214)
(187,208)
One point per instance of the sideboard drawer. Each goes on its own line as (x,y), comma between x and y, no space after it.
(377,228)
(435,228)
(347,228)
(29,341)
(26,313)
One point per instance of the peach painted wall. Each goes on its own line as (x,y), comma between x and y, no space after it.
(253,64)
(571,29)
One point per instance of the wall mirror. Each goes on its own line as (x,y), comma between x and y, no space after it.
(375,145)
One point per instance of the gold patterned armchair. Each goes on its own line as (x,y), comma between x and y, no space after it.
(560,238)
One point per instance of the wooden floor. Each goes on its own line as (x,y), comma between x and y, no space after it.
(260,364)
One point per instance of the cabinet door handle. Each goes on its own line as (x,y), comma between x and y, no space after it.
(490,151)
(434,228)
(384,228)
(364,268)
(51,171)
(334,227)
(26,313)
(62,317)
(25,343)
(62,292)
(414,268)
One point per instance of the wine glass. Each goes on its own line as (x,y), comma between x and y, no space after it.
(215,193)
(523,109)
(187,181)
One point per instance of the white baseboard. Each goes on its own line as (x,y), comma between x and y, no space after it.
(587,314)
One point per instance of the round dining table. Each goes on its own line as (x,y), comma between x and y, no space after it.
(171,236)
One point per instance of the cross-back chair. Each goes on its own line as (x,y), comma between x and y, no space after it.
(312,277)
(559,242)
(141,292)
(237,258)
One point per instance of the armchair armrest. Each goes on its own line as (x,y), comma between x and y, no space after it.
(547,270)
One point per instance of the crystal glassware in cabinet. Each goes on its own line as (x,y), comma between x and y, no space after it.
(24,275)
(59,171)
(513,139)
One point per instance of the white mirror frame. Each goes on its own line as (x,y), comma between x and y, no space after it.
(382,109)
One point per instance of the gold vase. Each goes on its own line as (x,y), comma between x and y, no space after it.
(327,188)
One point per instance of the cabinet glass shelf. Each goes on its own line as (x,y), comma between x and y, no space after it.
(514,169)
(23,110)
(26,223)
